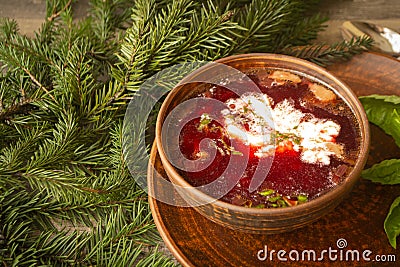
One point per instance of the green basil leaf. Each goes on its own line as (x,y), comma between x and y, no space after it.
(385,172)
(392,222)
(395,99)
(384,111)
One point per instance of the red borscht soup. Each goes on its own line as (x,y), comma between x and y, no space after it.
(306,135)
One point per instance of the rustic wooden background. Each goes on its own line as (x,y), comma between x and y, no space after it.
(30,14)
(383,12)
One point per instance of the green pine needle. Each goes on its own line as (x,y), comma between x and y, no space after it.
(325,55)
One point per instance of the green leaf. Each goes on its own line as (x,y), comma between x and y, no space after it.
(392,222)
(267,192)
(395,99)
(385,172)
(383,111)
(302,198)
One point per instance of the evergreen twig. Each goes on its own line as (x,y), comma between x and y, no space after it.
(57,14)
(324,55)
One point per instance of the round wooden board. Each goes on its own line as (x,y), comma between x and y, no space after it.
(196,241)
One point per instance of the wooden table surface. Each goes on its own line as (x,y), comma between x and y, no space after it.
(383,12)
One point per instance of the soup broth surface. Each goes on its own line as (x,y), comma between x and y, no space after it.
(296,137)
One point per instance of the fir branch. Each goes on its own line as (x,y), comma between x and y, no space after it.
(206,38)
(8,28)
(35,81)
(261,19)
(177,34)
(36,49)
(300,33)
(119,227)
(156,259)
(15,154)
(17,108)
(57,14)
(150,37)
(12,57)
(8,135)
(108,17)
(325,55)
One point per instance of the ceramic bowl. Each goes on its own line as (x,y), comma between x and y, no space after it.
(264,220)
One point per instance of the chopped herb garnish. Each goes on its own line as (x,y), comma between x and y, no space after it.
(274,199)
(281,203)
(215,129)
(302,198)
(230,149)
(267,192)
(204,121)
(235,152)
(281,137)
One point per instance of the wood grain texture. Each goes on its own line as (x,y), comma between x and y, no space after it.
(360,9)
(196,241)
(30,14)
(382,12)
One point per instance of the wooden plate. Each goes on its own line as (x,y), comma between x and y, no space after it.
(352,229)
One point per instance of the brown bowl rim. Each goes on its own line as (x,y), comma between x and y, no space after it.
(331,195)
